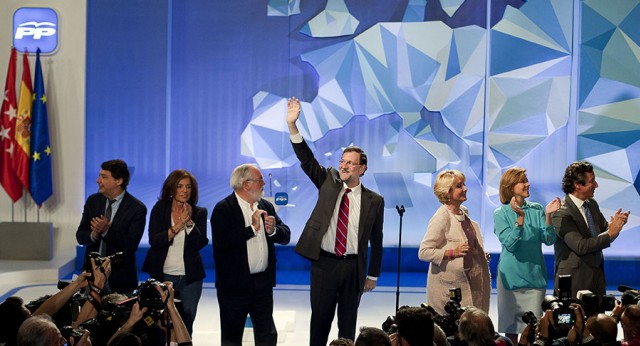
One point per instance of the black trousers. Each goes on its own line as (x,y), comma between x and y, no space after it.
(334,282)
(258,304)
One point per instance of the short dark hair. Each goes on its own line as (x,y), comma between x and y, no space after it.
(355,149)
(171,184)
(12,314)
(119,170)
(372,336)
(415,325)
(575,173)
(363,156)
(341,342)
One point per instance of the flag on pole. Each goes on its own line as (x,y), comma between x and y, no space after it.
(8,177)
(23,125)
(40,180)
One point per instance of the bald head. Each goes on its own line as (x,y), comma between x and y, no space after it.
(603,327)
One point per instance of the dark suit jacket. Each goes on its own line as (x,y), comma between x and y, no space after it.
(124,236)
(576,249)
(329,185)
(159,224)
(230,235)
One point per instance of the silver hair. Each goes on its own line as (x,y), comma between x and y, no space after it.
(241,174)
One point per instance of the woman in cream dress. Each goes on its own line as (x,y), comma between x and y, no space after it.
(453,245)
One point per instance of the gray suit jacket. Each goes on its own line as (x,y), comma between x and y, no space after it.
(577,251)
(329,185)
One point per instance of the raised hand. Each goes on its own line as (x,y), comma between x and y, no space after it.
(293,110)
(553,206)
(514,206)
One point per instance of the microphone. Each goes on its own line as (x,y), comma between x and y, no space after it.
(400,209)
(270,191)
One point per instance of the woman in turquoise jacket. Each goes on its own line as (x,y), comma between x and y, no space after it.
(521,227)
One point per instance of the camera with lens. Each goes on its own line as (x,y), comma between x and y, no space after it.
(630,296)
(453,307)
(148,295)
(116,259)
(92,325)
(453,311)
(563,312)
(530,318)
(389,325)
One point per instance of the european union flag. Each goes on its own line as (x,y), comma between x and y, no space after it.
(40,180)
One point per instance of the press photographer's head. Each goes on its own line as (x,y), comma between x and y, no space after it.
(414,326)
(475,327)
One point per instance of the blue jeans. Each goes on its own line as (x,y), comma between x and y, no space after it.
(189,295)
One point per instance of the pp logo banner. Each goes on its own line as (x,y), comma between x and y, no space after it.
(35,28)
(282,198)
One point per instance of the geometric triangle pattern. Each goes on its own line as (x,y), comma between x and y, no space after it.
(438,103)
(608,124)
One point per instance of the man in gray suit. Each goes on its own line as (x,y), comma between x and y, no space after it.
(583,231)
(346,218)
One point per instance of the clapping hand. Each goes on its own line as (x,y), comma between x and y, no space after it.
(553,206)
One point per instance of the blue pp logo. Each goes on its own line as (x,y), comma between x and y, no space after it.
(35,28)
(281,198)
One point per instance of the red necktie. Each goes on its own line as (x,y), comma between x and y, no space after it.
(343,224)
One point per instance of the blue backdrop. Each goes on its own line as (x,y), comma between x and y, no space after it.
(421,86)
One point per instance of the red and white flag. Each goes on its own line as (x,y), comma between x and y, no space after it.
(8,114)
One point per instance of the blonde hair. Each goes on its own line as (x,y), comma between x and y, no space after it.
(444,182)
(510,178)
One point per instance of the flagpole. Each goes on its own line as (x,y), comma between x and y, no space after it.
(26,200)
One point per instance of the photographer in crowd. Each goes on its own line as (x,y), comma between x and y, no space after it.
(476,329)
(630,320)
(13,311)
(414,327)
(40,330)
(177,331)
(555,329)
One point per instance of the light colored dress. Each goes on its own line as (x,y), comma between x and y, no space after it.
(445,232)
(522,272)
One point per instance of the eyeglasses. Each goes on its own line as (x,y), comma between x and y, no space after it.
(259,181)
(348,163)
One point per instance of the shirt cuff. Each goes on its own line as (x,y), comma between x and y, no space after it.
(272,234)
(189,229)
(297,138)
(372,278)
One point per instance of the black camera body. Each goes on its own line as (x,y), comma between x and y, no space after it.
(563,312)
(453,310)
(116,259)
(630,296)
(149,297)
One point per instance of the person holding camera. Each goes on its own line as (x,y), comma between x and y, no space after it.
(177,233)
(453,244)
(583,231)
(165,293)
(40,330)
(113,221)
(522,227)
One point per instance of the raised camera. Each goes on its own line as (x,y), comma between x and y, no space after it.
(148,295)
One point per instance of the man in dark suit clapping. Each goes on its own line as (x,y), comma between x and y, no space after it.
(113,221)
(583,231)
(244,229)
(346,218)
